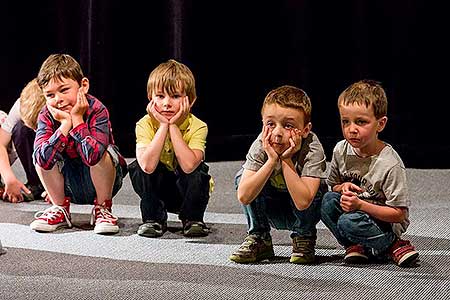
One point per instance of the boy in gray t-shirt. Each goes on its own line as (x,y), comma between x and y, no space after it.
(283,179)
(367,210)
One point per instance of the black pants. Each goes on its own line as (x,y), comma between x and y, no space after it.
(23,139)
(171,191)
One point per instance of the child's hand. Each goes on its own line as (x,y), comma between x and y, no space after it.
(351,187)
(295,144)
(152,112)
(182,113)
(81,106)
(350,202)
(271,153)
(59,115)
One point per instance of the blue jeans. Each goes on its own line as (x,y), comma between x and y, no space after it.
(78,183)
(275,208)
(356,227)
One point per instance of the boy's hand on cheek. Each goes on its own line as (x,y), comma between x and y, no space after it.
(80,107)
(295,142)
(271,153)
(59,115)
(153,112)
(182,113)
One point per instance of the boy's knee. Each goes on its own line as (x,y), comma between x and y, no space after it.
(350,222)
(330,200)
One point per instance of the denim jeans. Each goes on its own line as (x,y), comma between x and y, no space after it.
(356,227)
(171,191)
(78,183)
(275,208)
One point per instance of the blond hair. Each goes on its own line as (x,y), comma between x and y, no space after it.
(290,97)
(31,102)
(57,67)
(368,93)
(171,77)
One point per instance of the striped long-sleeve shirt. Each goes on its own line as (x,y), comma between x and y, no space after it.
(88,140)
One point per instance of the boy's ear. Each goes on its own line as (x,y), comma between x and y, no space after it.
(306,130)
(85,85)
(381,123)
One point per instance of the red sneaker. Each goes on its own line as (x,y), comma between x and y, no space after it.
(355,254)
(105,221)
(51,219)
(403,253)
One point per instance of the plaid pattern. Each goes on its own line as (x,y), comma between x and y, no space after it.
(88,140)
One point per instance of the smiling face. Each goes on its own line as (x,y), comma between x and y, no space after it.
(281,121)
(360,127)
(62,94)
(168,105)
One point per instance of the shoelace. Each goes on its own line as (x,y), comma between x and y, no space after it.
(105,214)
(52,213)
(248,242)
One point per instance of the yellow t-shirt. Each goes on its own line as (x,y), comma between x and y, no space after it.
(193,130)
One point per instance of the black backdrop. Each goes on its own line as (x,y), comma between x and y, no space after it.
(238,51)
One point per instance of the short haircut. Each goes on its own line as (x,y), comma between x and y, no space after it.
(290,97)
(57,67)
(170,77)
(31,102)
(368,93)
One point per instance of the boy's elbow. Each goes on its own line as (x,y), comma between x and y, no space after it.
(244,199)
(148,169)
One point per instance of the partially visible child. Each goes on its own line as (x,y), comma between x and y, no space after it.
(74,150)
(367,210)
(282,181)
(17,135)
(170,174)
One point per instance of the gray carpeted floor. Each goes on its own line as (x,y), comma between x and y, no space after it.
(78,264)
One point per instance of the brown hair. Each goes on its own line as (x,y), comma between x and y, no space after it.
(291,97)
(368,93)
(31,102)
(59,66)
(172,76)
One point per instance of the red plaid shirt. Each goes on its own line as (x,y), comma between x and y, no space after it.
(88,140)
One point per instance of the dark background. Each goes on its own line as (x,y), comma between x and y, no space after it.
(238,51)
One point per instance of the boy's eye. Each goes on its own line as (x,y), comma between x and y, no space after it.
(344,122)
(360,122)
(269,124)
(289,126)
(49,95)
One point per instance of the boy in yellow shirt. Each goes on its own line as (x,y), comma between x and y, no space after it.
(169,173)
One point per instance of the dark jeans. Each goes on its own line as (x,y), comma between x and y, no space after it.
(78,183)
(273,207)
(23,139)
(356,227)
(171,191)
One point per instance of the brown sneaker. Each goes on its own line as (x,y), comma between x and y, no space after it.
(403,253)
(303,250)
(355,254)
(253,249)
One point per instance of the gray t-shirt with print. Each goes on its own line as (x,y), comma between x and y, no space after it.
(382,176)
(309,160)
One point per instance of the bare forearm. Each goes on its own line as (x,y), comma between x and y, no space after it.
(383,213)
(251,186)
(302,190)
(186,157)
(148,158)
(5,168)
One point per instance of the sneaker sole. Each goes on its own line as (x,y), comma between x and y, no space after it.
(44,227)
(302,260)
(150,233)
(241,260)
(408,259)
(356,259)
(106,229)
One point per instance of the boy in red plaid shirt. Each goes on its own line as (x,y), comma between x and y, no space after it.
(74,150)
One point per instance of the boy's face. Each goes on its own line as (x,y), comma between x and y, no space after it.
(167,105)
(360,127)
(62,94)
(281,121)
